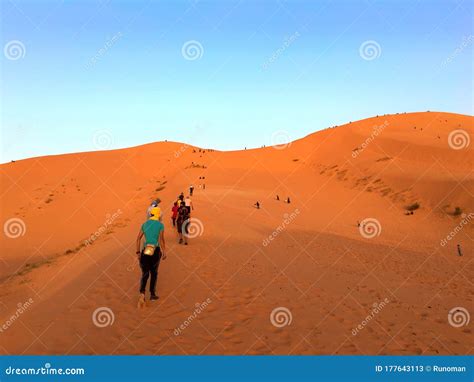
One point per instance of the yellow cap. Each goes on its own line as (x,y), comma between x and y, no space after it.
(155,213)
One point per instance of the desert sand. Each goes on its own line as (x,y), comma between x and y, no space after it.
(325,270)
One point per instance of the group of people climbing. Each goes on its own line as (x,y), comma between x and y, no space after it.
(257,204)
(181,215)
(153,249)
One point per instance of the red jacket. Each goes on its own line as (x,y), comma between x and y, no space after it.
(175,211)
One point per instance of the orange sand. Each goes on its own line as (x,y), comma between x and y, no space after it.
(318,266)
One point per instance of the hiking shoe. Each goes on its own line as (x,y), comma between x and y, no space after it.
(141,300)
(185,243)
(154,297)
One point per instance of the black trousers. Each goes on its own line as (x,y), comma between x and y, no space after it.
(149,266)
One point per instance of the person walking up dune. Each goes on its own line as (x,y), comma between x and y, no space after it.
(153,251)
(182,223)
(154,204)
(189,204)
(174,213)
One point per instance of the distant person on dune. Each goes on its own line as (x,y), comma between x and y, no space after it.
(191,190)
(153,251)
(257,205)
(182,223)
(277,198)
(288,200)
(189,204)
(174,213)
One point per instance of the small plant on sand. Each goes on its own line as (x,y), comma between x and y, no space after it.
(413,207)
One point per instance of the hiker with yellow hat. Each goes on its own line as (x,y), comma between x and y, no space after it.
(154,250)
(154,205)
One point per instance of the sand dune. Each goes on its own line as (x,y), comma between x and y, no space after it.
(320,276)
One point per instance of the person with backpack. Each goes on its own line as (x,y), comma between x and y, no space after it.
(182,223)
(191,190)
(152,252)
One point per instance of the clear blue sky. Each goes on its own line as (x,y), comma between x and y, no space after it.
(110,74)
